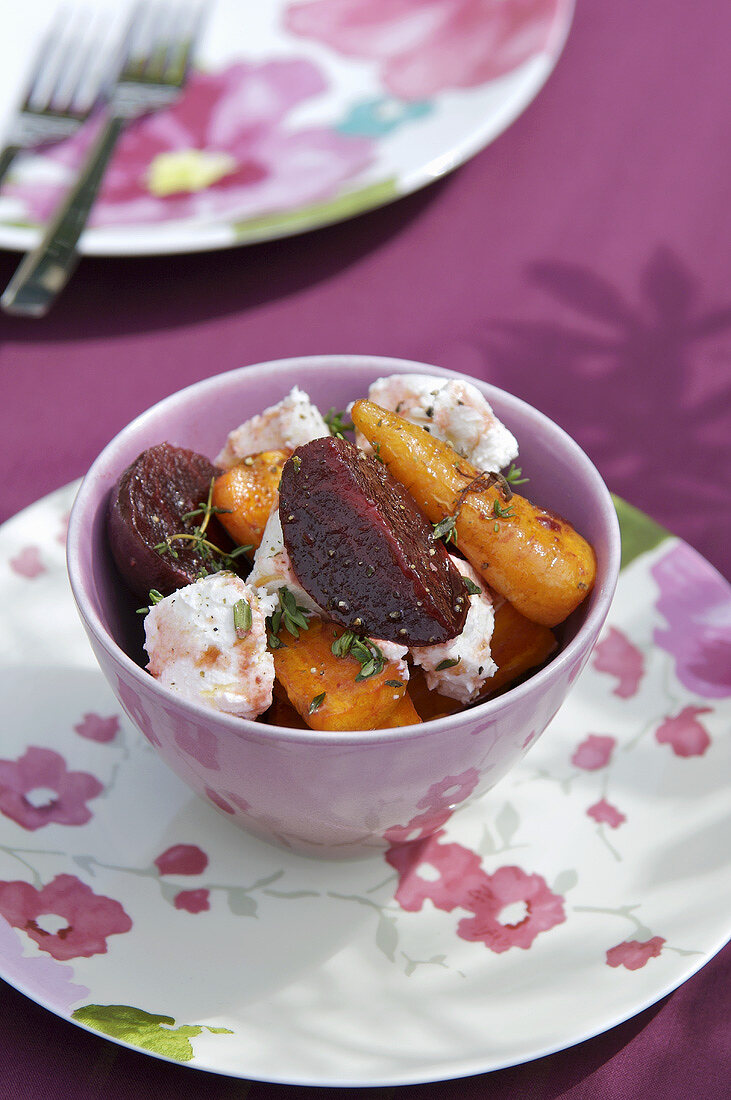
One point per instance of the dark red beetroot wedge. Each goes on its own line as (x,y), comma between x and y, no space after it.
(362,549)
(147,505)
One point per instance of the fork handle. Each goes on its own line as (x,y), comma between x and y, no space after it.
(44,271)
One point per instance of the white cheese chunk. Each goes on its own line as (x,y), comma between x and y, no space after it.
(470,649)
(453,411)
(282,427)
(193,648)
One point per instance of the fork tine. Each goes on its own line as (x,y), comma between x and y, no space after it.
(191,34)
(45,62)
(138,40)
(77,86)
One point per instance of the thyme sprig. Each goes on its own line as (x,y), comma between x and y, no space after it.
(349,644)
(446,529)
(514,475)
(289,614)
(155,597)
(337,423)
(479,484)
(500,512)
(215,559)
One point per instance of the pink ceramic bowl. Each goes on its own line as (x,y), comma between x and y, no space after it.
(334,794)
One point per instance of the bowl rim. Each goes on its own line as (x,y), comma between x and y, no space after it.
(308,364)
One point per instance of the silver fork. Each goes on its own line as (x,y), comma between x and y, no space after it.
(65,83)
(154,67)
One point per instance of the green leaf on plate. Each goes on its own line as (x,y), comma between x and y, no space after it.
(321,213)
(507,823)
(142,1029)
(565,881)
(241,903)
(387,936)
(639,532)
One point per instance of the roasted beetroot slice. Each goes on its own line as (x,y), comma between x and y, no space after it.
(147,505)
(363,551)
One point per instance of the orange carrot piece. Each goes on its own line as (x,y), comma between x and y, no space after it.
(404,714)
(249,492)
(529,555)
(517,646)
(323,688)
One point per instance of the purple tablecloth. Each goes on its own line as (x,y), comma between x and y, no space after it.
(581,262)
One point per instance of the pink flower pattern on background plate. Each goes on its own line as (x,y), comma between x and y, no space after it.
(95,728)
(594,752)
(37,790)
(684,733)
(451,877)
(193,901)
(87,919)
(182,859)
(694,602)
(224,149)
(427,46)
(27,563)
(604,813)
(616,655)
(633,954)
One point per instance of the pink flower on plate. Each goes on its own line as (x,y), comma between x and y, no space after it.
(632,954)
(426,46)
(27,563)
(617,656)
(695,604)
(95,728)
(430,870)
(684,733)
(605,813)
(594,752)
(224,149)
(182,859)
(193,901)
(510,909)
(65,918)
(37,790)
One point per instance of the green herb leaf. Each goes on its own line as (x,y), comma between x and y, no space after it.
(242,618)
(154,597)
(449,662)
(500,512)
(341,646)
(338,423)
(291,614)
(317,702)
(472,588)
(446,529)
(515,475)
(395,683)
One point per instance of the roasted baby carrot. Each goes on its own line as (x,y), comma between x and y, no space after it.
(529,555)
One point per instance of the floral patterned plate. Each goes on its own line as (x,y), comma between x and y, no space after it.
(300,113)
(592,881)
